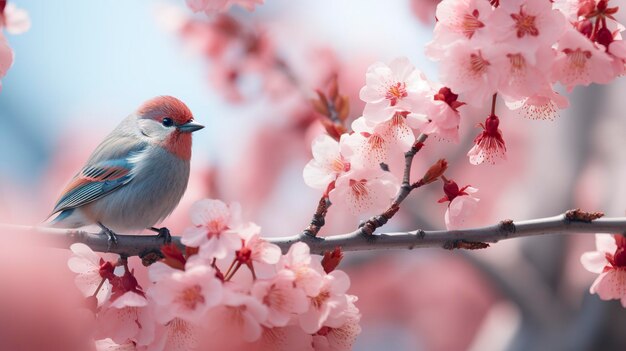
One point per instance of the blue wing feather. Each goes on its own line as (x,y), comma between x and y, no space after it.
(94,182)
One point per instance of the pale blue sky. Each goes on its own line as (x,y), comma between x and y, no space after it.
(84,65)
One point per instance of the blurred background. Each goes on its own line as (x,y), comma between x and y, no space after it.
(249,77)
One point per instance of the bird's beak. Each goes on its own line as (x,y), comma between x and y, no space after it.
(190,127)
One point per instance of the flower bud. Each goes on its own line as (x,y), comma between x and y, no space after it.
(434,172)
(332,259)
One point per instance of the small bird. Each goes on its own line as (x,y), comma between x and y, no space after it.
(136,176)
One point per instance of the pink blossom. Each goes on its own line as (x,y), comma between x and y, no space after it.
(175,335)
(214,6)
(364,191)
(282,298)
(390,88)
(6,57)
(526,72)
(329,306)
(488,145)
(87,264)
(239,315)
(580,62)
(527,25)
(129,317)
(458,21)
(256,249)
(543,105)
(443,114)
(340,338)
(470,70)
(308,272)
(14,19)
(372,145)
(215,231)
(187,294)
(464,18)
(609,260)
(462,204)
(330,159)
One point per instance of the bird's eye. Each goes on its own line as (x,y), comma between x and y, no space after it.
(167,122)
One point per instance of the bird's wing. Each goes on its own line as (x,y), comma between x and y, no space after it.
(109,168)
(94,182)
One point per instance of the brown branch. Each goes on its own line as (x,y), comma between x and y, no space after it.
(319,217)
(149,246)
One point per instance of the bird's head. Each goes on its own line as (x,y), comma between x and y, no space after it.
(168,122)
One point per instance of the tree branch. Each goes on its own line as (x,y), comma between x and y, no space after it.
(148,247)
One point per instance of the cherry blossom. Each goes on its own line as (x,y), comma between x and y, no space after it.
(391,88)
(330,159)
(469,70)
(527,24)
(88,265)
(187,294)
(282,298)
(609,260)
(340,338)
(214,6)
(488,145)
(15,20)
(364,191)
(308,272)
(526,72)
(543,105)
(215,228)
(238,314)
(461,206)
(330,304)
(129,317)
(175,335)
(254,248)
(443,114)
(463,18)
(580,62)
(373,145)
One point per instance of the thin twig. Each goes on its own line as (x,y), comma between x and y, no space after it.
(140,245)
(369,226)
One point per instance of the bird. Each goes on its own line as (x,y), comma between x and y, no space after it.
(136,176)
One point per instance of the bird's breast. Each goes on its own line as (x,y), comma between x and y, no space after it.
(159,182)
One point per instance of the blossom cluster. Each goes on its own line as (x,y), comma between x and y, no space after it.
(15,21)
(400,104)
(520,49)
(264,300)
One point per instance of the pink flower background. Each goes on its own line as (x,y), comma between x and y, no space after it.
(83,66)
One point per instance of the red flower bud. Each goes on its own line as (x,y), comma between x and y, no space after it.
(434,172)
(332,259)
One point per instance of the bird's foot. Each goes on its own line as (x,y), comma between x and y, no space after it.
(163,233)
(112,237)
